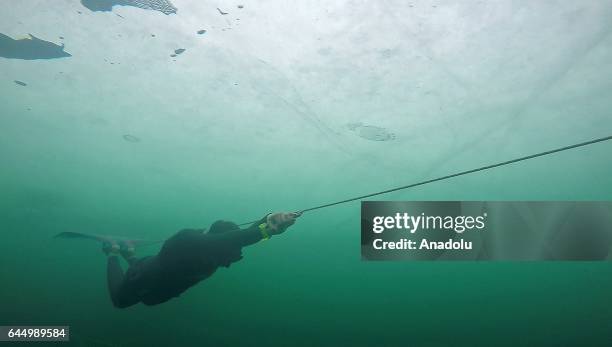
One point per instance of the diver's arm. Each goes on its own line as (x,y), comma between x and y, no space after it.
(250,235)
(266,227)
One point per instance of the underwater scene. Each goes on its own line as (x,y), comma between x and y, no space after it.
(190,172)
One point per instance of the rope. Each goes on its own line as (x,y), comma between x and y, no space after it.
(442,178)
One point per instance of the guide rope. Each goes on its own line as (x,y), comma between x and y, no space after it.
(442,178)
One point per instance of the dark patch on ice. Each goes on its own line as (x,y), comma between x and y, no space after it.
(200,32)
(21,83)
(222,13)
(240,6)
(98,5)
(30,48)
(61,37)
(152,35)
(371,132)
(163,6)
(131,138)
(173,55)
(179,51)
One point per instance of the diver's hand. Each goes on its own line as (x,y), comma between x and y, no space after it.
(278,222)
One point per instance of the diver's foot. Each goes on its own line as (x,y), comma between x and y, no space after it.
(110,248)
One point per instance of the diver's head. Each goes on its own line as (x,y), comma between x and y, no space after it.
(222,226)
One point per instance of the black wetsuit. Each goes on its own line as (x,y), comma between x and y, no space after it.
(188,257)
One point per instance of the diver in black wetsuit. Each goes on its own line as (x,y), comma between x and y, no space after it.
(188,257)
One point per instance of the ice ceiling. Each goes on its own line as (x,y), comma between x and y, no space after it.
(327,91)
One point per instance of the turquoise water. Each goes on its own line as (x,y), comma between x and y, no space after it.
(259,114)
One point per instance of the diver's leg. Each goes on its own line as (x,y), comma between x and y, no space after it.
(114,276)
(120,297)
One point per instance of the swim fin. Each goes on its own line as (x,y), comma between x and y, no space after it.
(106,238)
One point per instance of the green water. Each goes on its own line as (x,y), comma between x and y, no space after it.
(253,117)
